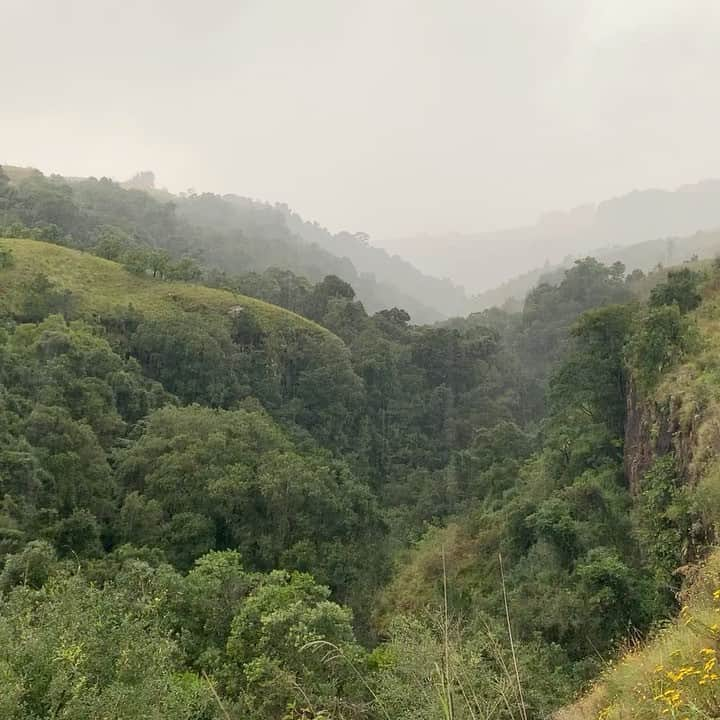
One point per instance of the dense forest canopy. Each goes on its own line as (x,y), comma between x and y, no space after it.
(232,488)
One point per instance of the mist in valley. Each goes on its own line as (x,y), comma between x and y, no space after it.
(359,361)
(457,135)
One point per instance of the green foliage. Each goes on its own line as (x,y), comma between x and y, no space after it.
(78,535)
(661,338)
(613,595)
(705,501)
(662,524)
(578,572)
(31,567)
(232,479)
(42,298)
(186,268)
(550,311)
(431,669)
(155,233)
(681,288)
(212,593)
(593,373)
(136,260)
(74,650)
(192,356)
(255,639)
(65,399)
(296,368)
(6,258)
(111,242)
(226,479)
(270,647)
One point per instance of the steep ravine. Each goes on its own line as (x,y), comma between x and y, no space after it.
(672,673)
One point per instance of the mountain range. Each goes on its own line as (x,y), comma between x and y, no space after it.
(481,262)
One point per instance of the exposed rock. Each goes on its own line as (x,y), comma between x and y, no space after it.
(648,435)
(679,423)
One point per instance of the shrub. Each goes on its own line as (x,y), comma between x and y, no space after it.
(681,289)
(6,258)
(661,339)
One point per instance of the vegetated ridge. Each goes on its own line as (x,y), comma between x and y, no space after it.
(671,459)
(664,251)
(101,286)
(216,508)
(482,261)
(229,232)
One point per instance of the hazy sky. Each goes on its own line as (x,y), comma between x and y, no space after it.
(388,116)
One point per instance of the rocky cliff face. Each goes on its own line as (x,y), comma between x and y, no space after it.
(648,435)
(689,430)
(673,423)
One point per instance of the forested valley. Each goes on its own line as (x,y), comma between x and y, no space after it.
(229,490)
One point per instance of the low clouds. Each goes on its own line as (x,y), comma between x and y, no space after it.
(390,116)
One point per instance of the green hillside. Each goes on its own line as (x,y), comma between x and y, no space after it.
(232,491)
(674,424)
(102,285)
(232,236)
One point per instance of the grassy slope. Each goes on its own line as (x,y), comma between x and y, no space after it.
(102,285)
(677,673)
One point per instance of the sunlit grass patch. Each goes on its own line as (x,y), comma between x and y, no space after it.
(100,285)
(675,674)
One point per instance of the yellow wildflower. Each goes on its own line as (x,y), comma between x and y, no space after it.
(604,713)
(708,677)
(682,673)
(670,697)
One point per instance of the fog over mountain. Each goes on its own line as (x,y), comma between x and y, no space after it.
(483,261)
(393,118)
(359,360)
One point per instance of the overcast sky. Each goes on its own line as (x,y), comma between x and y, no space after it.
(388,116)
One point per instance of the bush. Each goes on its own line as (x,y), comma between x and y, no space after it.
(30,567)
(662,525)
(16,230)
(6,258)
(42,298)
(78,651)
(681,289)
(661,339)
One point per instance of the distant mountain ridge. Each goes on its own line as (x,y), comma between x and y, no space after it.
(381,280)
(643,256)
(447,297)
(230,233)
(482,261)
(240,235)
